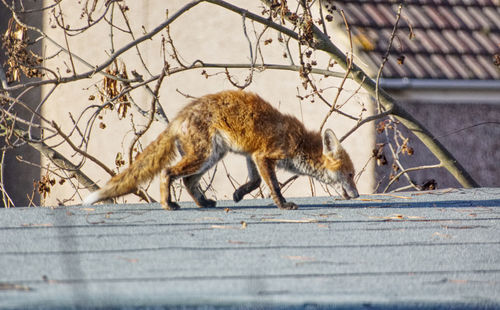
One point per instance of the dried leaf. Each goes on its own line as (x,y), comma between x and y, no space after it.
(20,58)
(119,161)
(391,217)
(289,221)
(236,242)
(14,287)
(365,42)
(324,215)
(441,235)
(458,281)
(210,218)
(496,59)
(130,260)
(45,184)
(392,195)
(224,227)
(401,60)
(429,185)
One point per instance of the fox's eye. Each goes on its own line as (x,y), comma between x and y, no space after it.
(351,175)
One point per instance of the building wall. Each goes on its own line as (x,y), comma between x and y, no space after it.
(19,177)
(471,132)
(209,33)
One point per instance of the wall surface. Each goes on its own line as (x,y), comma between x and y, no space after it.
(471,132)
(19,177)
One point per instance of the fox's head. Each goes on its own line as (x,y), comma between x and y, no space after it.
(339,170)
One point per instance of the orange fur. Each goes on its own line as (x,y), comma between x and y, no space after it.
(241,122)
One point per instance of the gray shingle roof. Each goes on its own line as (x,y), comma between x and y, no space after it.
(437,39)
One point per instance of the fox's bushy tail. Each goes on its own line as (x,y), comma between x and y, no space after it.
(155,157)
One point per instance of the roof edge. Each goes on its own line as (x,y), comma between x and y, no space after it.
(436,84)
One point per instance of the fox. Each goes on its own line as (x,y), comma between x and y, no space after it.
(241,122)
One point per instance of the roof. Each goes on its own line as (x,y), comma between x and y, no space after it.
(437,39)
(415,250)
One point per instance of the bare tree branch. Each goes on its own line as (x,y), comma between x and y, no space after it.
(117,91)
(390,105)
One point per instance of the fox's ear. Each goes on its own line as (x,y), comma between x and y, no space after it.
(330,142)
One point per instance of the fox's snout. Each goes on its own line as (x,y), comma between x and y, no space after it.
(347,189)
(349,192)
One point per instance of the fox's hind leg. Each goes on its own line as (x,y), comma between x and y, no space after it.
(253,182)
(188,165)
(192,184)
(194,163)
(166,196)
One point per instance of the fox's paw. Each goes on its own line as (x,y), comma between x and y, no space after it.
(171,206)
(238,195)
(208,203)
(289,206)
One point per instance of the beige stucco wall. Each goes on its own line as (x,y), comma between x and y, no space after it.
(212,34)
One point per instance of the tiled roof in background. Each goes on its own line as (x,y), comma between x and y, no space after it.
(437,39)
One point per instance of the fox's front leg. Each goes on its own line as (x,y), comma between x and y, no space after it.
(253,182)
(267,169)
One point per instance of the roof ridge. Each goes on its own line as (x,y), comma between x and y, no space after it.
(395,51)
(433,27)
(433,3)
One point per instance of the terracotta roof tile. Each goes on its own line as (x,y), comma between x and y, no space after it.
(451,39)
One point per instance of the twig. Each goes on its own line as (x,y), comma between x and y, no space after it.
(111,27)
(349,61)
(19,120)
(24,105)
(396,177)
(7,201)
(60,161)
(467,127)
(249,78)
(81,152)
(324,43)
(395,156)
(364,121)
(3,78)
(151,113)
(66,39)
(80,30)
(127,23)
(160,112)
(110,60)
(289,180)
(386,57)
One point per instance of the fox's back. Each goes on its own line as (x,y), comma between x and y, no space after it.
(245,120)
